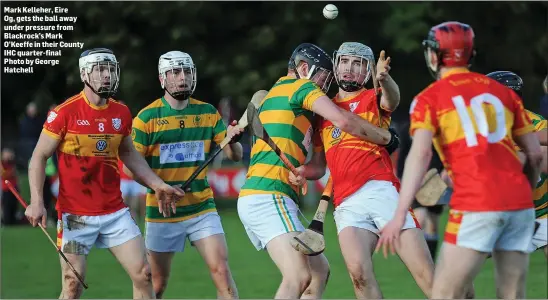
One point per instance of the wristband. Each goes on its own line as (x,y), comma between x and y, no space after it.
(394,142)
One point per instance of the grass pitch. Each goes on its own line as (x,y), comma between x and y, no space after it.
(30,269)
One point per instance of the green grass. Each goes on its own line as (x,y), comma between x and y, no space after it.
(30,269)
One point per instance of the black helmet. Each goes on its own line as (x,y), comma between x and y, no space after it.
(319,62)
(509,79)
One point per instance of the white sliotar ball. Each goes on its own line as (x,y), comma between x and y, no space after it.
(330,11)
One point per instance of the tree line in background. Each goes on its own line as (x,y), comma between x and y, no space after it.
(241,47)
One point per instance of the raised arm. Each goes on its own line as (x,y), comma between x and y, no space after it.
(350,122)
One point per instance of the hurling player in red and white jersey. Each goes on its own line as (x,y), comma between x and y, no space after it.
(473,121)
(365,192)
(89,132)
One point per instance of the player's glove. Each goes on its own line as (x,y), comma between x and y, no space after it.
(394,142)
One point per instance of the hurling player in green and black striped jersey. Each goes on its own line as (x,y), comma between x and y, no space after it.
(175,135)
(267,201)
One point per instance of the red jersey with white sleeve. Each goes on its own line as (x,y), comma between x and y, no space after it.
(89,176)
(352,161)
(473,119)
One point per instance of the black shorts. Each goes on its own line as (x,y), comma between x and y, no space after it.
(436,209)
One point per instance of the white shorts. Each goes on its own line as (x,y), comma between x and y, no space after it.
(371,207)
(541,235)
(489,231)
(171,237)
(266,216)
(130,188)
(55,188)
(77,234)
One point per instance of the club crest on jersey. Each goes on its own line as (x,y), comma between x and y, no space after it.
(101,145)
(336,133)
(117,123)
(197,120)
(52,115)
(353,106)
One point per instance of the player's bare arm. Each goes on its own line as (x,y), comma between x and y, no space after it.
(350,122)
(544,164)
(313,170)
(543,137)
(390,91)
(234,151)
(531,148)
(36,212)
(416,165)
(167,195)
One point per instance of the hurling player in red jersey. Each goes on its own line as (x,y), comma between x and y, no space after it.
(89,131)
(365,186)
(473,121)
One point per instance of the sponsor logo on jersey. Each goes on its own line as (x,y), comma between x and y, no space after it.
(182,152)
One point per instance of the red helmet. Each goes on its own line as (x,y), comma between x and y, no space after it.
(452,42)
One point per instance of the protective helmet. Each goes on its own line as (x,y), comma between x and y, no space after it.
(106,61)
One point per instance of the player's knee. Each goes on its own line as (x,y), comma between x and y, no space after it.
(425,274)
(360,278)
(143,276)
(445,291)
(470,292)
(220,268)
(159,284)
(72,288)
(301,279)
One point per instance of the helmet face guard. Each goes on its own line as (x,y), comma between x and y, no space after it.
(100,71)
(319,63)
(178,74)
(321,77)
(349,64)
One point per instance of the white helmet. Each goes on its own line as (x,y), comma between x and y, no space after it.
(100,57)
(172,61)
(357,50)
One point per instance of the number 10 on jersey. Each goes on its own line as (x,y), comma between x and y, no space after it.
(482,122)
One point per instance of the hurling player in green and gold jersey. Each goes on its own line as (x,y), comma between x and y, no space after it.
(540,193)
(175,135)
(266,203)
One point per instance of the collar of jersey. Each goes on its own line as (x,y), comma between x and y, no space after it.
(93,105)
(455,71)
(339,100)
(166,104)
(286,78)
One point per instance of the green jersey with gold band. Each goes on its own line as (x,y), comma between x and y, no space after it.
(174,144)
(287,117)
(540,195)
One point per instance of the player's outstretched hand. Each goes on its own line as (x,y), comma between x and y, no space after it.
(297,180)
(390,236)
(234,132)
(168,196)
(383,67)
(36,213)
